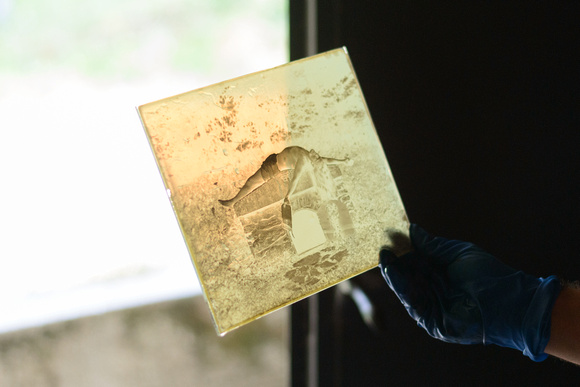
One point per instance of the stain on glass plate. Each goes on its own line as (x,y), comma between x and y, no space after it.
(279,183)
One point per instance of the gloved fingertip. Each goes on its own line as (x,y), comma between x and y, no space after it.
(419,236)
(386,257)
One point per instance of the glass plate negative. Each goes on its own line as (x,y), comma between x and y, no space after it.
(279,183)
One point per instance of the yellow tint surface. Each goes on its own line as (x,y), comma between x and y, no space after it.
(279,184)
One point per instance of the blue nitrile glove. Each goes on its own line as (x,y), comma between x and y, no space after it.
(461,294)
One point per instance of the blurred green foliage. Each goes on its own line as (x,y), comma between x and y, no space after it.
(128,38)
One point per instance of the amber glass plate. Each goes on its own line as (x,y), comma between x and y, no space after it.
(279,184)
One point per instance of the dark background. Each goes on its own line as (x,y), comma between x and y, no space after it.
(477,105)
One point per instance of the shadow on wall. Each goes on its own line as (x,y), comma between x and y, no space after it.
(172,343)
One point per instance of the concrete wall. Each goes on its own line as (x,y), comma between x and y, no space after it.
(167,344)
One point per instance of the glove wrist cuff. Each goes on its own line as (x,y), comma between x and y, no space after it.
(538,318)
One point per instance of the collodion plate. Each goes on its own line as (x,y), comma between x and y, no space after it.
(279,184)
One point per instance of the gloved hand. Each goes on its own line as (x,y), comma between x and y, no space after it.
(461,294)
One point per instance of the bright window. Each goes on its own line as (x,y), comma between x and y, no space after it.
(86,225)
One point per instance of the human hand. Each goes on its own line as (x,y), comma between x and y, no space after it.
(461,294)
